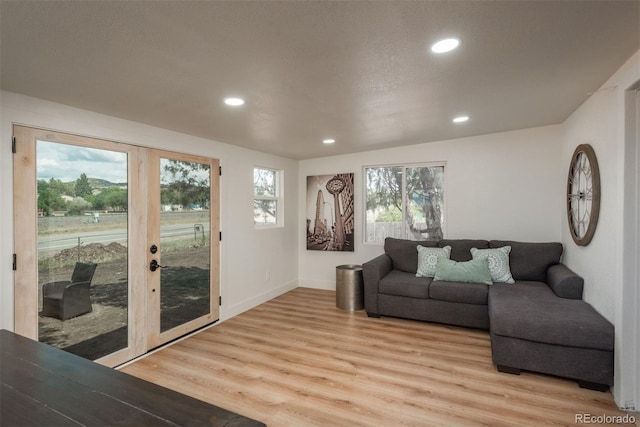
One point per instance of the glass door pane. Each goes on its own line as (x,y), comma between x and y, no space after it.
(82,255)
(185,231)
(183,245)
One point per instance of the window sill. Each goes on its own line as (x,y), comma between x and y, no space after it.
(267,226)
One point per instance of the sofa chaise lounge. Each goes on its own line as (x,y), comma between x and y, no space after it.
(539,323)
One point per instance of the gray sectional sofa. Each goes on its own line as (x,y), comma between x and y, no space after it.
(539,323)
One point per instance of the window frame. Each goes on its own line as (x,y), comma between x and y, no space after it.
(278,199)
(404,167)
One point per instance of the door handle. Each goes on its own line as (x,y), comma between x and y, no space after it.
(153,265)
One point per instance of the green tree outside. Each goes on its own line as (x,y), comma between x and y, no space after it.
(83,187)
(185,183)
(49,198)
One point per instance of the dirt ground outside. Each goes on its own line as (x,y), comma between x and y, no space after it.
(184,296)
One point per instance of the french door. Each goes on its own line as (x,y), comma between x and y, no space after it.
(182,263)
(117,246)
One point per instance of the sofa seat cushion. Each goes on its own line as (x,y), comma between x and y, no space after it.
(531,311)
(404,284)
(467,293)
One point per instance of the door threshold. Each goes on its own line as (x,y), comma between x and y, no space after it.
(165,345)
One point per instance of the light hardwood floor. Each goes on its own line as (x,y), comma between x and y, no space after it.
(297,360)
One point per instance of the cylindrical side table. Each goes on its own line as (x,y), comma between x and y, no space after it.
(349,287)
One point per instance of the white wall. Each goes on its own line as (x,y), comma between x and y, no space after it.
(499,186)
(630,308)
(606,264)
(246,253)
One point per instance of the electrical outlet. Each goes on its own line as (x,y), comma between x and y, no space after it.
(267,276)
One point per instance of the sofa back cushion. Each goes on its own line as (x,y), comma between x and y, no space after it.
(461,248)
(404,253)
(530,261)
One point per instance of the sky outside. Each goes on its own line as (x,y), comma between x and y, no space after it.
(66,162)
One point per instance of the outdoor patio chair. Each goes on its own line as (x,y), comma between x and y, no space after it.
(69,298)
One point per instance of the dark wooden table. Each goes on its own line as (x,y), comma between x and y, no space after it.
(44,386)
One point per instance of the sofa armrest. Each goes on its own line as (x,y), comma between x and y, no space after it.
(564,282)
(372,272)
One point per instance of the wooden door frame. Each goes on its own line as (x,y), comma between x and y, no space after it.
(25,235)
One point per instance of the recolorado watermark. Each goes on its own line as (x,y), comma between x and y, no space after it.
(604,419)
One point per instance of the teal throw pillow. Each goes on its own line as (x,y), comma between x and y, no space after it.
(498,259)
(428,258)
(474,271)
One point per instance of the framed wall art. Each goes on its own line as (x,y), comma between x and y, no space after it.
(330,221)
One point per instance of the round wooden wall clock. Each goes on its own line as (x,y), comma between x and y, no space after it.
(583,194)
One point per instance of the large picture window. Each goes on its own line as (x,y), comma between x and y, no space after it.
(404,201)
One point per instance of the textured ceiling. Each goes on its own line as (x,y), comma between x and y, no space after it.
(360,72)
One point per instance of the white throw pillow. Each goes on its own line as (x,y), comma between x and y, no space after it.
(498,259)
(428,259)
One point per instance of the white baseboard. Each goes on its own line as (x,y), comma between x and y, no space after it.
(234,310)
(329,285)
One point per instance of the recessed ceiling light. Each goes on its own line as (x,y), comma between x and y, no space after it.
(460,119)
(328,141)
(445,45)
(234,102)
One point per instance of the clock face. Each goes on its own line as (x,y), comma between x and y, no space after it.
(335,185)
(583,195)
